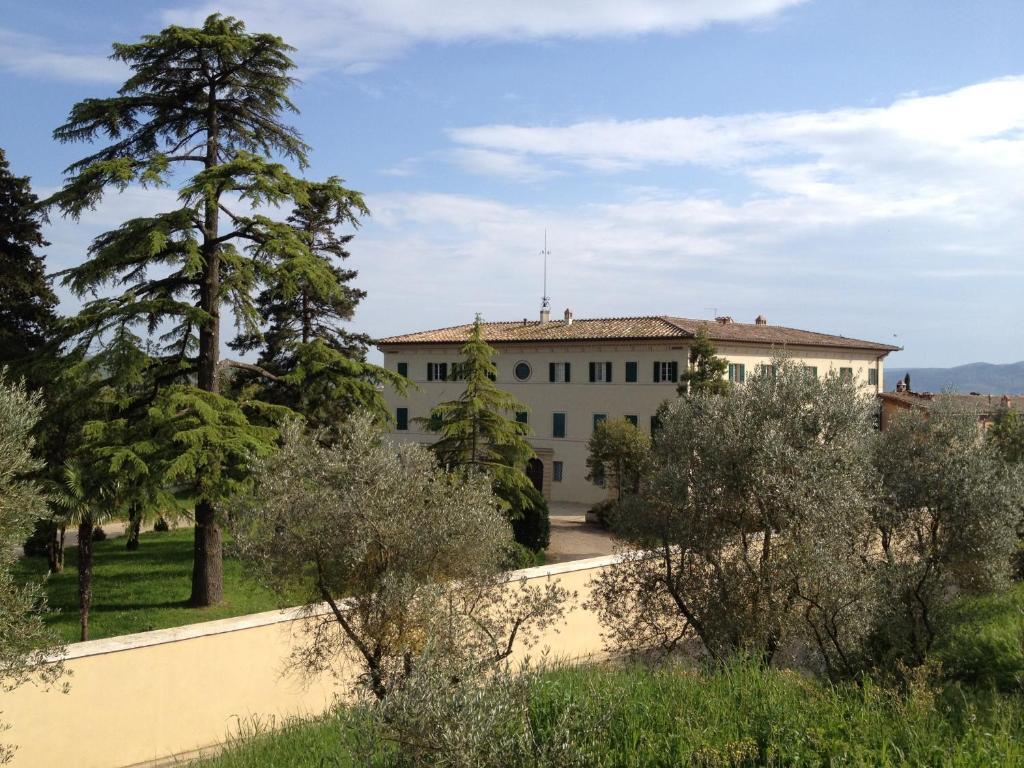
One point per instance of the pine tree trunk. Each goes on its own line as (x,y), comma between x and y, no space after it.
(208,565)
(134,528)
(84,576)
(208,562)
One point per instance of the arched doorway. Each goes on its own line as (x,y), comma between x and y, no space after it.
(535,471)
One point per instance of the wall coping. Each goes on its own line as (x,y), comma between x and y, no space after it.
(253,620)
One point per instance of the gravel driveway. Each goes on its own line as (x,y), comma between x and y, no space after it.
(572,537)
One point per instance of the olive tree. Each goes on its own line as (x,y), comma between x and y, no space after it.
(25,642)
(405,556)
(616,453)
(947,518)
(751,525)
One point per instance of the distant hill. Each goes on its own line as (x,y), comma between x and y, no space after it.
(984,378)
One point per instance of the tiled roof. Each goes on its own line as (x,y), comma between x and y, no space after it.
(634,329)
(983,405)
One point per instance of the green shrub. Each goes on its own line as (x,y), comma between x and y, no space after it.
(98,534)
(520,557)
(531,522)
(161,526)
(983,641)
(37,543)
(604,512)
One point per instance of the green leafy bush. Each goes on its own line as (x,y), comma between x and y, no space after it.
(531,521)
(603,513)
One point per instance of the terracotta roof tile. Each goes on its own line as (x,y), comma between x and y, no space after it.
(633,329)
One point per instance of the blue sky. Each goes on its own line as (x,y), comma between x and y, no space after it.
(853,167)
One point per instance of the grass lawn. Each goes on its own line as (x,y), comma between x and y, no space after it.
(141,590)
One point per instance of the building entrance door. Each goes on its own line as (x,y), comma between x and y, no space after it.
(535,471)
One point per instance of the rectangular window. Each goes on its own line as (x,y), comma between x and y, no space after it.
(811,371)
(601,373)
(437,371)
(632,419)
(631,369)
(556,471)
(655,424)
(558,425)
(766,369)
(737,373)
(846,374)
(598,418)
(666,371)
(559,372)
(401,419)
(873,377)
(522,417)
(403,369)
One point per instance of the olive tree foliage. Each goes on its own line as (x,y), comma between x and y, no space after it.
(616,453)
(947,516)
(405,556)
(751,526)
(25,642)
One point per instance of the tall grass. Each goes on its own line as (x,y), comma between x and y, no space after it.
(740,715)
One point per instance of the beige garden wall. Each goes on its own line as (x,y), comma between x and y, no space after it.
(154,695)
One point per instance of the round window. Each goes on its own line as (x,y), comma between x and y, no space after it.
(522,371)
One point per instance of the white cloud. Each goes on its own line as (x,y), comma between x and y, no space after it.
(357,33)
(960,154)
(32,55)
(509,166)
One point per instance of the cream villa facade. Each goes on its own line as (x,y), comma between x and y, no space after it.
(570,374)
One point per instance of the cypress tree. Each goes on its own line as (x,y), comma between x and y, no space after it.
(707,371)
(479,433)
(26,300)
(208,102)
(319,368)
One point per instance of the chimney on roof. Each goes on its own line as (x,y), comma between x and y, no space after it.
(761,320)
(1005,402)
(545,314)
(568,317)
(723,320)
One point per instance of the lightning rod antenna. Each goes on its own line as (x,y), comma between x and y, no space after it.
(545,300)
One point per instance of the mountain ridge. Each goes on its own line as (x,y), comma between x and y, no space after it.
(982,378)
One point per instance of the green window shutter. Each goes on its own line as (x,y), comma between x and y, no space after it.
(598,418)
(444,371)
(401,419)
(593,372)
(631,372)
(551,372)
(568,373)
(657,371)
(655,424)
(873,377)
(430,371)
(403,369)
(522,417)
(673,371)
(558,425)
(608,373)
(632,419)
